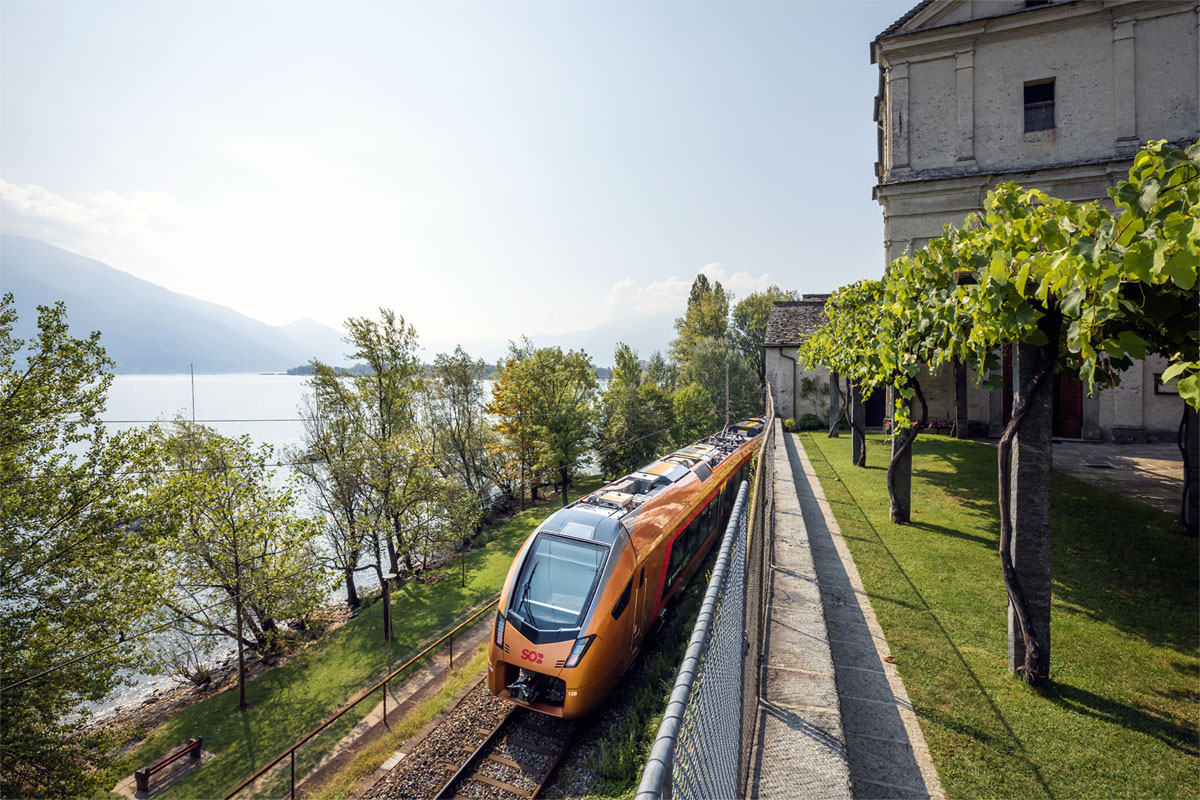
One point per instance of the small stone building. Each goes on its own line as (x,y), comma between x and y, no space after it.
(799,388)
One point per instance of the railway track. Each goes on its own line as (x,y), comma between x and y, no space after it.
(514,759)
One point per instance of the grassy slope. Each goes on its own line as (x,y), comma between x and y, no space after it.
(1120,718)
(290,700)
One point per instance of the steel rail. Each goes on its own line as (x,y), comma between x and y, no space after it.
(497,734)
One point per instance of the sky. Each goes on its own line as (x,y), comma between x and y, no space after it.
(487,170)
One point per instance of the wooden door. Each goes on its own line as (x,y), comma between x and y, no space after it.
(1068,407)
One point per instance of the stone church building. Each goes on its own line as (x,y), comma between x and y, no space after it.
(1055,95)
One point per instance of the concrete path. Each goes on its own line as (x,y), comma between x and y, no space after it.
(834,719)
(886,748)
(800,745)
(1149,473)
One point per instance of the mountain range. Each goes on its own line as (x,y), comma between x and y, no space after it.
(148,329)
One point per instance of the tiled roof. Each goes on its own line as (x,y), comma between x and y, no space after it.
(792,321)
(900,23)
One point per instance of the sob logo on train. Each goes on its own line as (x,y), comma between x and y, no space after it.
(531,655)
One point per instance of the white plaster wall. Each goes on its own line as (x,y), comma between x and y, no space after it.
(933,113)
(1161,412)
(1080,61)
(939,392)
(1166,54)
(1089,54)
(779,376)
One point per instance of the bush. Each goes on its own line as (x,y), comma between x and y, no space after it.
(789,425)
(811,422)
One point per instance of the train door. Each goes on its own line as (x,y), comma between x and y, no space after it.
(638,629)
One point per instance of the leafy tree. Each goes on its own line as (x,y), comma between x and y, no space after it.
(1073,288)
(396,468)
(330,464)
(239,559)
(563,385)
(634,421)
(513,399)
(846,344)
(455,398)
(710,363)
(706,317)
(628,369)
(76,565)
(750,325)
(659,372)
(695,417)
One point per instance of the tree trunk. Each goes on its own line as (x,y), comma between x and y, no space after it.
(899,475)
(393,560)
(1025,459)
(858,427)
(566,482)
(237,608)
(1189,448)
(961,423)
(351,590)
(835,405)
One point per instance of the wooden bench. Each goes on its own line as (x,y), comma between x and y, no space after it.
(142,776)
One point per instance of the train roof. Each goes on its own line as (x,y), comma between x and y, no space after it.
(582,523)
(626,495)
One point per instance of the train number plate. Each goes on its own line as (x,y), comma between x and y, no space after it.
(531,655)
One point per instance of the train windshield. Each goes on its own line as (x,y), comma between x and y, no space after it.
(557,582)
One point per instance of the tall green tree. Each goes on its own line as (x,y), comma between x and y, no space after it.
(634,418)
(514,397)
(693,412)
(716,364)
(565,386)
(329,462)
(239,559)
(749,330)
(706,317)
(454,401)
(396,468)
(1071,288)
(76,563)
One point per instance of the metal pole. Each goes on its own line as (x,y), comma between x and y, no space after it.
(385,691)
(451,649)
(293,795)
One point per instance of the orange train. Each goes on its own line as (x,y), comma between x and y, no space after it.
(593,578)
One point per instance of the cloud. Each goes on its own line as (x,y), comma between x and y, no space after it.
(106,225)
(628,297)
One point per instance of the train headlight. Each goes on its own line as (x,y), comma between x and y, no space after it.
(499,629)
(581,647)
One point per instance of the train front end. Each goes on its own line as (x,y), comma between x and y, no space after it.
(553,650)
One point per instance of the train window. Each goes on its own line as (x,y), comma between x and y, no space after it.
(622,601)
(557,582)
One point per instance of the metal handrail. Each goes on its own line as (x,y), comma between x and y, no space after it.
(656,779)
(382,684)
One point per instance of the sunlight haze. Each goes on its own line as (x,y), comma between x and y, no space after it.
(487,170)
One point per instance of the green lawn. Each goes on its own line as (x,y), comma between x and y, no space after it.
(1120,717)
(290,700)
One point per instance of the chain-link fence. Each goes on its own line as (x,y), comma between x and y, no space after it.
(704,742)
